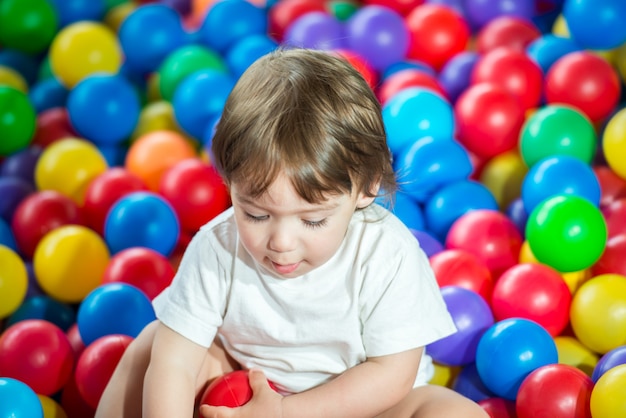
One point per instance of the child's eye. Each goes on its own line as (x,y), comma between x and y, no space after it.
(253,218)
(315,224)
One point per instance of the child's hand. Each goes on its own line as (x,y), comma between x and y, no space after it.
(265,402)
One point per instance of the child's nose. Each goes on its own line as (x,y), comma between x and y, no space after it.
(282,238)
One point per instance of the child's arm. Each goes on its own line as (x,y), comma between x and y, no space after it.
(170,382)
(365,390)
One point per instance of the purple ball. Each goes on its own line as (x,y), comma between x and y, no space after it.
(469,384)
(429,244)
(22,164)
(613,358)
(316,30)
(481,12)
(455,75)
(472,317)
(12,191)
(379,35)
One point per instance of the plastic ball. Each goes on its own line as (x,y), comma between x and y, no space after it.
(379,35)
(154,153)
(360,64)
(533,291)
(68,166)
(40,213)
(614,143)
(503,176)
(18,400)
(598,313)
(410,77)
(612,259)
(156,116)
(509,351)
(488,234)
(37,353)
(183,62)
(231,390)
(52,125)
(17,120)
(613,358)
(566,232)
(44,307)
(596,24)
(316,30)
(204,197)
(437,33)
(407,209)
(146,269)
(429,244)
(13,191)
(556,390)
(613,186)
(199,99)
(81,10)
(51,409)
(429,164)
(455,75)
(284,13)
(6,236)
(27,25)
(481,12)
(142,219)
(11,78)
(463,269)
(104,190)
(489,119)
(13,281)
(506,31)
(69,262)
(104,108)
(21,164)
(247,50)
(557,130)
(607,397)
(453,200)
(472,316)
(150,33)
(227,22)
(514,71)
(47,94)
(574,353)
(498,407)
(469,384)
(82,49)
(586,81)
(548,48)
(96,365)
(559,175)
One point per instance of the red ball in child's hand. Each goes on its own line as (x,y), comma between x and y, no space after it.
(231,390)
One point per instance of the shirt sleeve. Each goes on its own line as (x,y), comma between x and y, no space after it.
(402,307)
(194,303)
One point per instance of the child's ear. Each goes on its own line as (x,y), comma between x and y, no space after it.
(364,200)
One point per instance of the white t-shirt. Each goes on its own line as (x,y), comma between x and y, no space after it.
(376,296)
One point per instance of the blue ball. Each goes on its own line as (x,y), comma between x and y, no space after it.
(48,93)
(104,108)
(142,219)
(454,200)
(469,384)
(559,175)
(7,238)
(25,64)
(548,48)
(71,11)
(247,50)
(409,211)
(149,34)
(509,351)
(415,113)
(199,99)
(44,307)
(456,74)
(596,24)
(18,400)
(115,308)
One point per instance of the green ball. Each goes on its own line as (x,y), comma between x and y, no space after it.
(18,120)
(342,10)
(557,130)
(27,25)
(183,62)
(567,233)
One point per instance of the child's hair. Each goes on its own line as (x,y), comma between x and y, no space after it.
(311,115)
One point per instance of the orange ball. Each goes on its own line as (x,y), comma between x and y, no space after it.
(153,153)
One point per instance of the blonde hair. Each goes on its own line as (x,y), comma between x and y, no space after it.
(310,115)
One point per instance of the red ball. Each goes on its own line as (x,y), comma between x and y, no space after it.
(586,81)
(231,390)
(612,186)
(489,119)
(533,291)
(144,268)
(488,234)
(513,70)
(104,191)
(613,260)
(97,364)
(73,335)
(73,403)
(40,213)
(555,390)
(498,407)
(409,77)
(361,65)
(204,196)
(53,124)
(615,217)
(284,13)
(403,7)
(437,33)
(38,353)
(506,31)
(463,269)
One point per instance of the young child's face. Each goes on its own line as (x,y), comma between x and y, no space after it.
(288,235)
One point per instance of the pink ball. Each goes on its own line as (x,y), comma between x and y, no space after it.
(462,268)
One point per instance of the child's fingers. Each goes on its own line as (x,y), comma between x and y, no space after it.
(257,380)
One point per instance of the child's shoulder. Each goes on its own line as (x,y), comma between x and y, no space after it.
(385,230)
(221,230)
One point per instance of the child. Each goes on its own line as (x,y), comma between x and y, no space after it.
(304,281)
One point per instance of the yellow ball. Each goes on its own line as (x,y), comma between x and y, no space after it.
(559,27)
(13,281)
(116,15)
(70,262)
(503,175)
(598,312)
(444,375)
(574,353)
(156,116)
(82,49)
(526,254)
(575,279)
(608,398)
(51,409)
(10,77)
(68,166)
(614,143)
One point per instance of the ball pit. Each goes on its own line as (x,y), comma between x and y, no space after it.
(103,107)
